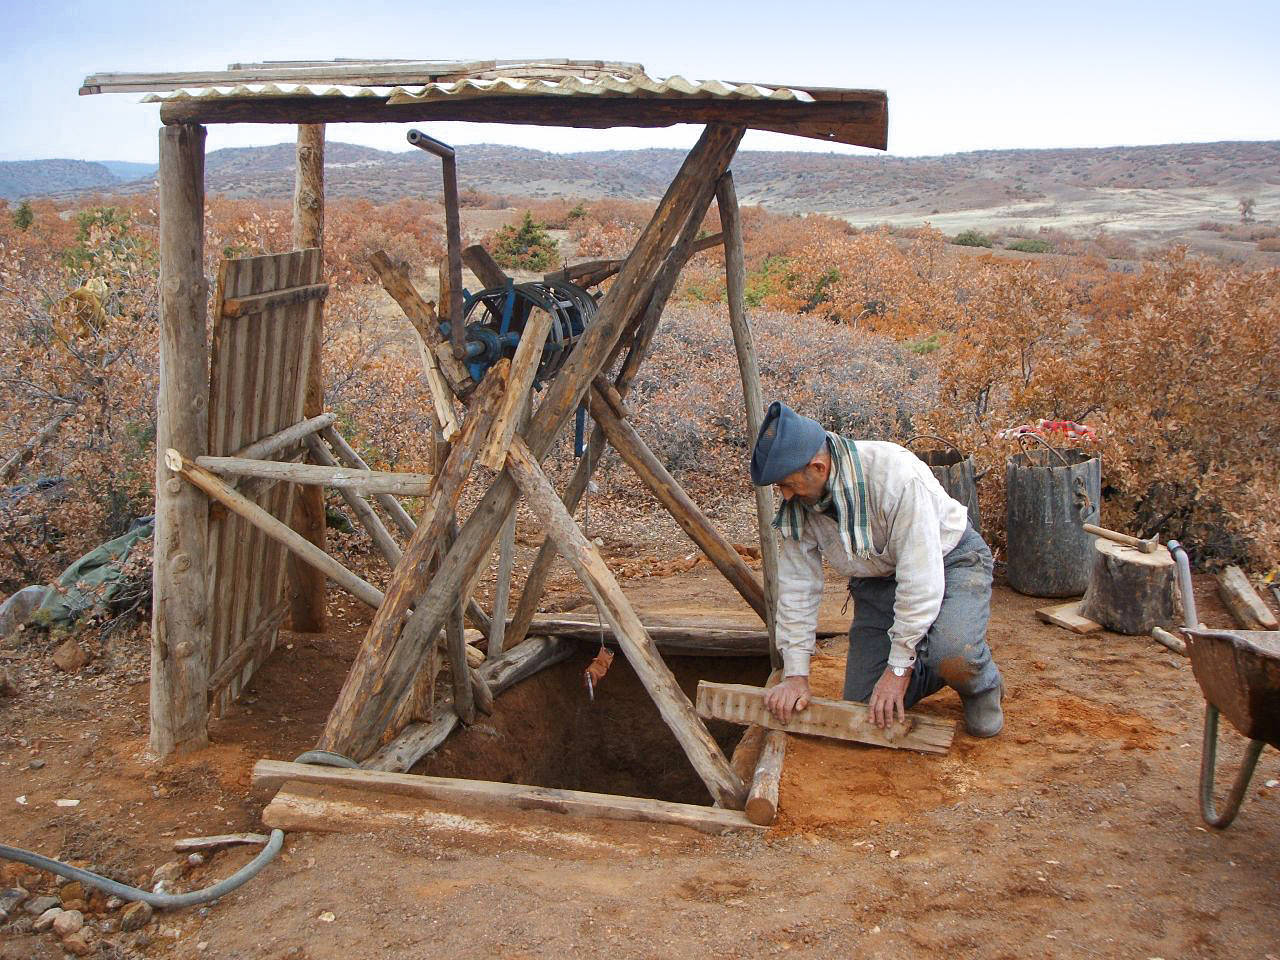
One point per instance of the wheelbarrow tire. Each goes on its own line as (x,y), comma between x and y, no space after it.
(1208,761)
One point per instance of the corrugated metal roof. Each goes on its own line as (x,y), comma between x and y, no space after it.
(612,85)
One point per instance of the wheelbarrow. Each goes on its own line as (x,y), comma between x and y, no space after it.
(1239,674)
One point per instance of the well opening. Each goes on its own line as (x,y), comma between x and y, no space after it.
(547,733)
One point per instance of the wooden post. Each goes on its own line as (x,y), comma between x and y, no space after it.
(180,633)
(623,437)
(306,583)
(752,394)
(676,710)
(502,589)
(378,675)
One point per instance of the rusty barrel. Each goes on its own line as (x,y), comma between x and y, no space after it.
(1049,494)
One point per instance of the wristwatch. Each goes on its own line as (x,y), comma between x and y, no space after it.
(901,671)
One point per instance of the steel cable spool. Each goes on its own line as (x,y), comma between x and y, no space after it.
(495,319)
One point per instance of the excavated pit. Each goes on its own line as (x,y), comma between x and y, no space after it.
(545,732)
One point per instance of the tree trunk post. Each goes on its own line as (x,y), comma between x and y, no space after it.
(306,584)
(752,393)
(180,615)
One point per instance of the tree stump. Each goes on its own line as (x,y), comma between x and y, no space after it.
(1130,591)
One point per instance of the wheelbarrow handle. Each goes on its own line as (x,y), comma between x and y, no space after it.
(1190,619)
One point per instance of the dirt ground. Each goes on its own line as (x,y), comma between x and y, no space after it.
(1074,833)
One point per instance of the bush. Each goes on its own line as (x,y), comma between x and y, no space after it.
(527,246)
(23,217)
(972,238)
(1029,245)
(1269,244)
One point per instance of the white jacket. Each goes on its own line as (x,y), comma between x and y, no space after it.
(914,524)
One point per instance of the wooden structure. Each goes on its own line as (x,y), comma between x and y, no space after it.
(224,522)
(1130,590)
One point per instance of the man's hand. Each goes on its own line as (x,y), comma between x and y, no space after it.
(788,697)
(886,698)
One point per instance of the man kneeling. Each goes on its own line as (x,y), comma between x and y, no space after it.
(919,574)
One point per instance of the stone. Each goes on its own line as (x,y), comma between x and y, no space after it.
(78,944)
(38,905)
(18,609)
(45,920)
(195,860)
(75,905)
(10,900)
(74,890)
(70,656)
(168,872)
(68,922)
(136,916)
(36,764)
(114,904)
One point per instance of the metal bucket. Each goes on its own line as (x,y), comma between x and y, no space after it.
(1049,495)
(955,471)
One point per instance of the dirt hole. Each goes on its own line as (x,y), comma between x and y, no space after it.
(546,733)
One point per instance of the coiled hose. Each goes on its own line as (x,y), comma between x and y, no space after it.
(164,901)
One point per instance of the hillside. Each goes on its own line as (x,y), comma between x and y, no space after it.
(1156,190)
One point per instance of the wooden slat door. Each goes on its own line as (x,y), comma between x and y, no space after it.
(258,372)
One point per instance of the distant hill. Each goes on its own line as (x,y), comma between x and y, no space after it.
(1160,190)
(125,170)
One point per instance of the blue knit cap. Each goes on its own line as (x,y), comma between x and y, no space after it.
(787,442)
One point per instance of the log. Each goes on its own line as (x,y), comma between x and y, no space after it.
(1250,610)
(369,519)
(1167,639)
(747,752)
(218,841)
(486,269)
(646,325)
(632,448)
(762,799)
(306,584)
(345,478)
(345,452)
(838,719)
(233,307)
(374,684)
(288,814)
(524,661)
(180,620)
(1130,591)
(713,638)
(674,707)
(411,576)
(524,366)
(455,644)
(217,490)
(752,392)
(592,272)
(43,436)
(502,589)
(286,439)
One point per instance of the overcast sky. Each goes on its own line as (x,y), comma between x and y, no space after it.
(960,76)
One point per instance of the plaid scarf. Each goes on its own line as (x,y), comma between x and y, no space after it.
(846,491)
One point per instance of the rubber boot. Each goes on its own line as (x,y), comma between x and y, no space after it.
(983,713)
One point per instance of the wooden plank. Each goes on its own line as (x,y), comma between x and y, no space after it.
(378,676)
(486,269)
(322,475)
(264,521)
(712,636)
(637,455)
(218,841)
(839,719)
(676,711)
(271,775)
(524,367)
(250,646)
(180,634)
(762,799)
(1067,615)
(1250,610)
(414,742)
(862,122)
(752,392)
(261,302)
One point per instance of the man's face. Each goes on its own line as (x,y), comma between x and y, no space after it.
(806,484)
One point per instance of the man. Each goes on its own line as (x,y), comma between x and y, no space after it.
(919,574)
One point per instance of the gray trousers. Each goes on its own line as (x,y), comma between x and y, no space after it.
(954,653)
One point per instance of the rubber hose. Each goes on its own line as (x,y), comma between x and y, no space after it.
(169,900)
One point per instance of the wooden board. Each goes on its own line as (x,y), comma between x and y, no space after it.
(257,379)
(271,775)
(838,719)
(1067,615)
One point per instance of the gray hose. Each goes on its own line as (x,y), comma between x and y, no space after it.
(168,900)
